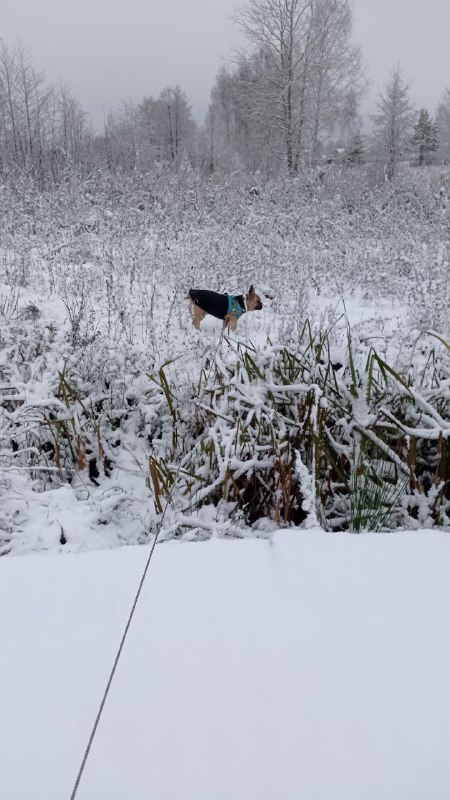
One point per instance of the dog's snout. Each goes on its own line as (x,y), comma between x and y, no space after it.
(259,305)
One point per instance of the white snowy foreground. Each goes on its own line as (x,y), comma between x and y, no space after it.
(310,666)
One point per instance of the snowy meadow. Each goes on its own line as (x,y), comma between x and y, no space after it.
(330,406)
(290,478)
(328,409)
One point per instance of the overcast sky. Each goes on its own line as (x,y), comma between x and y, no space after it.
(111,50)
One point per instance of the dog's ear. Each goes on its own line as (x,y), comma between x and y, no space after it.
(251,291)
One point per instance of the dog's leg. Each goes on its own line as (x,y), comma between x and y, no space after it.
(230,322)
(197,315)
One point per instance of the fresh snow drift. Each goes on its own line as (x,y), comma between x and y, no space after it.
(309,665)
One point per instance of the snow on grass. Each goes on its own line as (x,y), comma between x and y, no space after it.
(117,510)
(88,312)
(309,665)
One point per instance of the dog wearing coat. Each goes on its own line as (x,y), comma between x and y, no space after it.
(227,307)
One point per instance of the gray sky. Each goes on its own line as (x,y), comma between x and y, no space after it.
(110,50)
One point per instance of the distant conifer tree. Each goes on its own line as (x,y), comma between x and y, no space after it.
(355,151)
(425,138)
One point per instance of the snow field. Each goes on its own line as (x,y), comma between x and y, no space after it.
(308,665)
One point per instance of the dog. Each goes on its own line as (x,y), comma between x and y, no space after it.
(227,307)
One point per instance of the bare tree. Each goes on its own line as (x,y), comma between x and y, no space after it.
(42,131)
(393,122)
(155,130)
(174,123)
(233,136)
(221,121)
(9,102)
(68,136)
(303,75)
(336,74)
(279,31)
(148,142)
(128,120)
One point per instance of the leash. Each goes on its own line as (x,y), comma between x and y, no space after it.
(116,661)
(131,615)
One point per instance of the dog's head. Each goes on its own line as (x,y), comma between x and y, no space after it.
(253,300)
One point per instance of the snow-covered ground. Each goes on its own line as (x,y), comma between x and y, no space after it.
(297,666)
(307,665)
(93,284)
(81,516)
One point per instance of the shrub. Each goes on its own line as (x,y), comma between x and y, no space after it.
(364,432)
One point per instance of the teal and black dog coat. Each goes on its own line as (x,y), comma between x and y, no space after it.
(218,305)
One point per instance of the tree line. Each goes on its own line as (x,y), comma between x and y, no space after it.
(289,98)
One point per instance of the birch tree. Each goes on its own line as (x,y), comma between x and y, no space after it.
(43,131)
(222,123)
(304,73)
(279,31)
(336,72)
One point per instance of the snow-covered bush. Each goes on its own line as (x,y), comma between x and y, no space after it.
(376,445)
(241,433)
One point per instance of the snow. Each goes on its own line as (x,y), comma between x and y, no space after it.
(103,307)
(306,665)
(291,665)
(89,517)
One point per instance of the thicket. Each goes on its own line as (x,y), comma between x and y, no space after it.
(92,302)
(289,436)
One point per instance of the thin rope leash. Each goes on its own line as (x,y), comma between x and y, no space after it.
(127,627)
(116,661)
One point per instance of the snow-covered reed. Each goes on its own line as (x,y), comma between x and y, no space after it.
(376,441)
